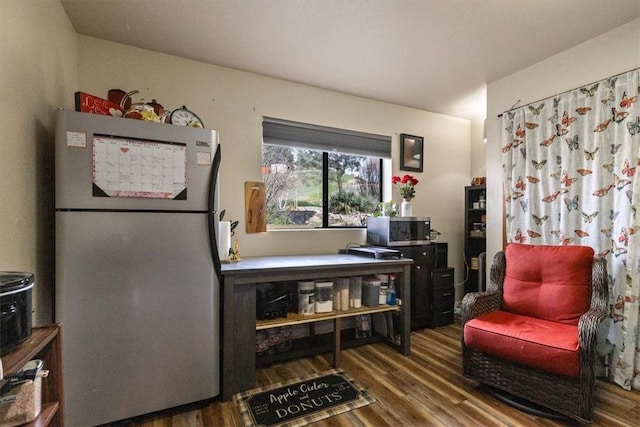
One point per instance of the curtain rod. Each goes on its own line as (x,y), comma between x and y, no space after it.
(513,107)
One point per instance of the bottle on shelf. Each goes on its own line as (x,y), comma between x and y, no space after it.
(391,291)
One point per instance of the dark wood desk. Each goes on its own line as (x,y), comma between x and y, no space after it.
(239,305)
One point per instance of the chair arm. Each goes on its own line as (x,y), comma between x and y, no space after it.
(475,304)
(587,341)
(600,286)
(588,325)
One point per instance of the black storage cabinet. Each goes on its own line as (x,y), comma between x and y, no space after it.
(443,297)
(432,285)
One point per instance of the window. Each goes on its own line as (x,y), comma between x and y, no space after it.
(320,177)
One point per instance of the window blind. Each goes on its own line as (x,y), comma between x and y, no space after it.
(314,137)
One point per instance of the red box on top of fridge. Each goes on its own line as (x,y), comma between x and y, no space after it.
(88,103)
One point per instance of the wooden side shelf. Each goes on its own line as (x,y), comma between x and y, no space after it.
(44,343)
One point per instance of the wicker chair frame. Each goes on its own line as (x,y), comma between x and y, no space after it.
(569,396)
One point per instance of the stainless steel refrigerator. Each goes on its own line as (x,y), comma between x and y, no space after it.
(137,270)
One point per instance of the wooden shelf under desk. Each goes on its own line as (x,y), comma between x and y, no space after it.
(296,319)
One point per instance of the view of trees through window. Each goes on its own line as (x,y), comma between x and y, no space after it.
(300,182)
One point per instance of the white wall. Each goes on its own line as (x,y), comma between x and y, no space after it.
(38,72)
(478,150)
(234,102)
(609,54)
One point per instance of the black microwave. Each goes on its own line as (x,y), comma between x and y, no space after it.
(398,230)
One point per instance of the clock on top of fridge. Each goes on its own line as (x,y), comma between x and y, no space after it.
(185,117)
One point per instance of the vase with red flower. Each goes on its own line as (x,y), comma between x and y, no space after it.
(406,187)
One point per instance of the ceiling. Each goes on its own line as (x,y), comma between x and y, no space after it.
(435,55)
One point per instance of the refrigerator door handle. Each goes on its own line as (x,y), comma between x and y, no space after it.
(212,214)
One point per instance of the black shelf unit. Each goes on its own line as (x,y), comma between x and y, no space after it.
(475,236)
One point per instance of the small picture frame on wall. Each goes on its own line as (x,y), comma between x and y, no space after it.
(411,152)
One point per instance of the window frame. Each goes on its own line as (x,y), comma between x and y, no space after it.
(285,133)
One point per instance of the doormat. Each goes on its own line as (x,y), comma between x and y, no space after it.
(301,401)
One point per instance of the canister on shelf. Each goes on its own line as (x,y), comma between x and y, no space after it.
(370,291)
(341,293)
(384,286)
(306,298)
(23,402)
(324,296)
(355,291)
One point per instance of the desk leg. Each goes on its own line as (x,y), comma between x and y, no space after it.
(405,334)
(239,338)
(390,326)
(336,345)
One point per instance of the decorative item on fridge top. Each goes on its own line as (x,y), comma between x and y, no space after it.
(119,104)
(185,117)
(87,103)
(116,95)
(141,110)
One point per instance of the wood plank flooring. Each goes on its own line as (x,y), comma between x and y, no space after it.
(424,389)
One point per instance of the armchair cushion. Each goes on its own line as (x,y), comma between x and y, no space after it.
(548,282)
(542,344)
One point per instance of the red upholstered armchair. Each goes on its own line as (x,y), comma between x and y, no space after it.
(533,333)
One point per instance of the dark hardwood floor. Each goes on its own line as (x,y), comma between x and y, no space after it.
(424,389)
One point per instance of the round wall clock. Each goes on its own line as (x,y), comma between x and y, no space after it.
(185,117)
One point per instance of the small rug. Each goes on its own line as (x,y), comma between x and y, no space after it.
(301,401)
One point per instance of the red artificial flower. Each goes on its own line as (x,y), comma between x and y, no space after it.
(406,186)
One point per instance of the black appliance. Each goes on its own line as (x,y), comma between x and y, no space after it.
(15,308)
(274,301)
(374,252)
(398,230)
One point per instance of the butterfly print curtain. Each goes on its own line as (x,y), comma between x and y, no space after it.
(570,167)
